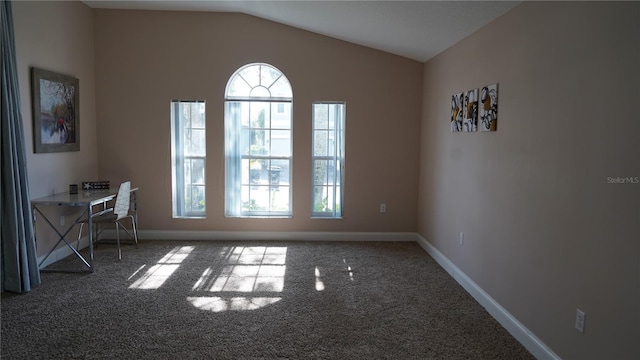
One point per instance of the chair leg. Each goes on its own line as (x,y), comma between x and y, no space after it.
(96,233)
(118,241)
(79,236)
(135,230)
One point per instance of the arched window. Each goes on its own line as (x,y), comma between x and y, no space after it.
(258,142)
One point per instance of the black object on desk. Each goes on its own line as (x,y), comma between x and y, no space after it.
(95,185)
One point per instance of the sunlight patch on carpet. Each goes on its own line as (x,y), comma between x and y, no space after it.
(240,303)
(136,272)
(349,269)
(158,274)
(256,270)
(247,269)
(319,282)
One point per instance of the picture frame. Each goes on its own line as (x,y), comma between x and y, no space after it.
(457,106)
(56,121)
(489,107)
(470,116)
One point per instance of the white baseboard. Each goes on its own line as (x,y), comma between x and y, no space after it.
(508,321)
(274,235)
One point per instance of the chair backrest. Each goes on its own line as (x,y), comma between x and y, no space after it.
(123,200)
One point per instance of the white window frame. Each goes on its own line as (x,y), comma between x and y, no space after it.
(183,185)
(331,204)
(255,92)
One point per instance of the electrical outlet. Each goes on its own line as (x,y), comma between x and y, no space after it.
(383,208)
(461,239)
(580,320)
(62,220)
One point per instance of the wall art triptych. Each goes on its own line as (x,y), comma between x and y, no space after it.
(475,109)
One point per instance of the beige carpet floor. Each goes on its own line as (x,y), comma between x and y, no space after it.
(253,300)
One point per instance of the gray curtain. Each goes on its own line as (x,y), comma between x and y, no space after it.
(18,257)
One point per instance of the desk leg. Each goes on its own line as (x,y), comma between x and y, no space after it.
(90,228)
(61,239)
(33,218)
(134,198)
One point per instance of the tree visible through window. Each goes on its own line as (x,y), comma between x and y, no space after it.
(258,142)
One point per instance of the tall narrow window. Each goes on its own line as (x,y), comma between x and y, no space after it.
(328,159)
(258,142)
(188,154)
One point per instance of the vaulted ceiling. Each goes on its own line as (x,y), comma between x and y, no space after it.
(417,30)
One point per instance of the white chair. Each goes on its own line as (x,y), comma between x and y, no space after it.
(120,212)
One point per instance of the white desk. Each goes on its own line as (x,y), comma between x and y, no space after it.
(87,199)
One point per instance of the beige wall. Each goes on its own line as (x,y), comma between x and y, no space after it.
(545,233)
(144,59)
(57,36)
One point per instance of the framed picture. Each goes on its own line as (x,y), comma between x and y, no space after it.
(55,111)
(489,108)
(457,100)
(470,122)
